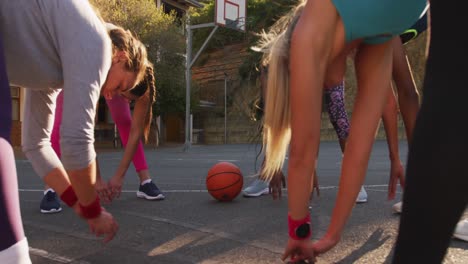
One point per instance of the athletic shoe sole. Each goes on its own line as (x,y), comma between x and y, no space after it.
(361,201)
(396,209)
(362,196)
(461,237)
(51,211)
(151,198)
(257,194)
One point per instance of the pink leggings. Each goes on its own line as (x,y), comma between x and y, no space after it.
(120,111)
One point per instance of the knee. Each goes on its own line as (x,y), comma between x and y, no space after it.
(28,146)
(76,157)
(332,81)
(408,95)
(77,148)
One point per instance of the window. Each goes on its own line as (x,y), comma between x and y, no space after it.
(15,103)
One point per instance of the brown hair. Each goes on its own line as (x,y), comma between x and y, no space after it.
(137,62)
(137,56)
(147,85)
(124,40)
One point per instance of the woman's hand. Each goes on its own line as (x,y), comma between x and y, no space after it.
(324,244)
(115,186)
(103,225)
(103,191)
(397,174)
(299,250)
(276,183)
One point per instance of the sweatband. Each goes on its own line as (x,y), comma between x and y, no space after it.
(69,196)
(91,210)
(294,225)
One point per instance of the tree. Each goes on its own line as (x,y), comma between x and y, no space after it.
(164,40)
(261,14)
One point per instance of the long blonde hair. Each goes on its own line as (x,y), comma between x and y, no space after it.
(277,120)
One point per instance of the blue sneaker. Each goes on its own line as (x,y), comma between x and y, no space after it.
(257,188)
(150,191)
(50,203)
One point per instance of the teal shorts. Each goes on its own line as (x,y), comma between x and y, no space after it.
(378,21)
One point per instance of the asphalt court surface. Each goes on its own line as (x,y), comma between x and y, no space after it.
(189,226)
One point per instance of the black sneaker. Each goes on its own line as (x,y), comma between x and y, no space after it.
(50,203)
(150,191)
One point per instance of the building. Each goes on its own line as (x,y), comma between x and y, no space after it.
(180,6)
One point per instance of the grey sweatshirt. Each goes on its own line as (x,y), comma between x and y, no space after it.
(50,44)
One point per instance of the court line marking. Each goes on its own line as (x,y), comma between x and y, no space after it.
(54,257)
(204,191)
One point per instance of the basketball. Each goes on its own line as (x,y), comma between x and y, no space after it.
(224,181)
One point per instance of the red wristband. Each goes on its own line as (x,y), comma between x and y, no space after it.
(91,210)
(69,196)
(299,229)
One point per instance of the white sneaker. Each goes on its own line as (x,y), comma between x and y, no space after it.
(397,207)
(461,231)
(257,188)
(16,254)
(362,197)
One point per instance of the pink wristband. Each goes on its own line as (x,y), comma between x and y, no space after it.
(299,229)
(69,196)
(91,210)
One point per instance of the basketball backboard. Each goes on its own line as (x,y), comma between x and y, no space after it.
(231,14)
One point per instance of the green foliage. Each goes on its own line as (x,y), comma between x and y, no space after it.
(261,14)
(165,43)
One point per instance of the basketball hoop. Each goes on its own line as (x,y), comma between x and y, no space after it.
(231,14)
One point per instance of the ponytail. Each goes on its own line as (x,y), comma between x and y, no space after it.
(149,78)
(277,120)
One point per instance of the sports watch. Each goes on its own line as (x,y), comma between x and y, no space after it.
(303,231)
(299,229)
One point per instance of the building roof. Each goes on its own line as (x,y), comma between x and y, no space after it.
(184,4)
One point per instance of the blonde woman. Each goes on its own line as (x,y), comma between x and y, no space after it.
(62,44)
(304,49)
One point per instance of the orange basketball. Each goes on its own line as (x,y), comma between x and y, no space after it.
(224,181)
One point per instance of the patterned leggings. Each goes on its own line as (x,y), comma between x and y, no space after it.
(334,99)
